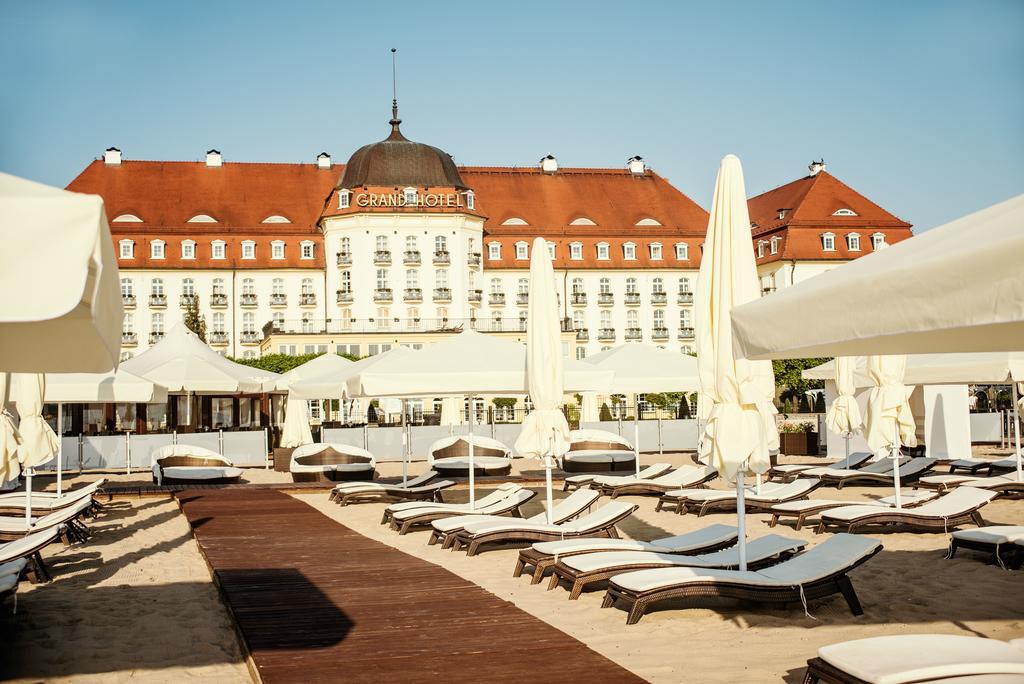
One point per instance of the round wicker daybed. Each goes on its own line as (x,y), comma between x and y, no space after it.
(187,464)
(449,456)
(331,462)
(598,451)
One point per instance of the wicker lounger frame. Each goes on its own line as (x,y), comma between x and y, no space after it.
(836,583)
(976,468)
(540,562)
(610,466)
(801,516)
(447,539)
(1006,490)
(870,478)
(702,508)
(900,517)
(192,462)
(643,487)
(1009,555)
(96,506)
(429,516)
(36,570)
(429,492)
(820,672)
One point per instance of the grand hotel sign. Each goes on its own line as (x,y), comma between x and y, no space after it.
(399,199)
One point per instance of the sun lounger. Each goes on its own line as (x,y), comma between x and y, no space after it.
(500,492)
(417,481)
(911,658)
(805,508)
(543,555)
(959,507)
(15,527)
(1005,485)
(1003,542)
(786,472)
(421,488)
(576,481)
(23,553)
(584,570)
(822,571)
(599,523)
(403,521)
(568,508)
(686,476)
(909,471)
(880,465)
(973,466)
(703,501)
(45,502)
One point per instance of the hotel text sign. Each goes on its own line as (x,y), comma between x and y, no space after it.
(398,199)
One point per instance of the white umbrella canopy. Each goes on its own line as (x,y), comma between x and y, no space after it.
(588,408)
(120,386)
(890,422)
(975,260)
(645,368)
(939,369)
(62,308)
(740,427)
(10,439)
(843,417)
(326,364)
(545,431)
(334,383)
(296,430)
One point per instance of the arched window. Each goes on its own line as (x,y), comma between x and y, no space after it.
(307,286)
(629,251)
(218,248)
(442,313)
(522,321)
(602,251)
(410,197)
(307,249)
(604,286)
(440,244)
(844,212)
(156,287)
(218,286)
(828,242)
(414,314)
(878,240)
(682,251)
(249,322)
(344,196)
(346,281)
(277,249)
(188,287)
(631,287)
(218,322)
(493,250)
(658,285)
(656,250)
(307,322)
(277,319)
(522,251)
(382,279)
(577,285)
(684,285)
(496,321)
(411,243)
(383,318)
(382,243)
(853,242)
(248,249)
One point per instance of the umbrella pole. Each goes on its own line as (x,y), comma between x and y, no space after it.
(636,432)
(1016,428)
(28,497)
(846,438)
(895,454)
(741,517)
(60,447)
(405,449)
(548,458)
(472,462)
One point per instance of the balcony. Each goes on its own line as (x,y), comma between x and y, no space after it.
(496,299)
(278,299)
(251,337)
(128,301)
(344,296)
(475,296)
(632,299)
(344,258)
(129,339)
(218,337)
(411,257)
(522,298)
(578,298)
(382,294)
(158,301)
(442,257)
(582,335)
(633,334)
(659,334)
(442,294)
(307,299)
(659,298)
(685,334)
(685,298)
(218,300)
(248,299)
(412,294)
(606,334)
(382,257)
(187,300)
(474,259)
(605,299)
(155,336)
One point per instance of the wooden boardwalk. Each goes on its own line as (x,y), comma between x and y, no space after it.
(315,601)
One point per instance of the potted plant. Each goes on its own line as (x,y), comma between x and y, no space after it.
(798,439)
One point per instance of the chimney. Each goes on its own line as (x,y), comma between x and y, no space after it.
(636,165)
(323,160)
(112,156)
(549,164)
(213,158)
(816,166)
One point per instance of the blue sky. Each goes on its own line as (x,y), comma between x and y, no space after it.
(920,105)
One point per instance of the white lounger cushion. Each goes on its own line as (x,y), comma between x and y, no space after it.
(520,496)
(29,542)
(855,459)
(16,524)
(681,477)
(201,472)
(950,505)
(757,550)
(370,486)
(599,456)
(185,450)
(712,535)
(831,556)
(462,462)
(592,521)
(502,491)
(770,491)
(992,534)
(71,495)
(986,482)
(568,507)
(13,567)
(905,658)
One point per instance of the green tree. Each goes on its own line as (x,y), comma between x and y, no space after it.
(194,320)
(282,363)
(789,384)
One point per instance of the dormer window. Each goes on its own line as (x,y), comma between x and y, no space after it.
(127,218)
(682,251)
(522,250)
(156,249)
(877,240)
(853,242)
(602,251)
(551,250)
(493,250)
(782,213)
(218,249)
(648,222)
(629,251)
(410,196)
(761,244)
(277,249)
(202,218)
(582,221)
(188,249)
(828,242)
(127,248)
(307,249)
(344,196)
(844,212)
(656,251)
(775,244)
(470,200)
(248,249)
(576,251)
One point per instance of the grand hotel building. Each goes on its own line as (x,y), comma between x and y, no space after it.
(401,245)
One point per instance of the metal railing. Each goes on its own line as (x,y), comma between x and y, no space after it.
(382,256)
(659,298)
(578,298)
(685,298)
(128,300)
(522,298)
(251,337)
(475,295)
(582,335)
(186,300)
(307,299)
(632,298)
(158,300)
(217,337)
(218,300)
(412,294)
(394,325)
(278,299)
(685,334)
(605,299)
(606,334)
(442,257)
(344,258)
(248,299)
(411,256)
(633,334)
(382,294)
(129,338)
(496,298)
(659,333)
(442,294)
(155,337)
(473,259)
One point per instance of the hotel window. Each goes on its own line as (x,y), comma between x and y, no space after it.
(277,320)
(188,249)
(470,200)
(576,251)
(577,285)
(656,250)
(440,244)
(156,287)
(522,250)
(761,244)
(414,314)
(307,286)
(522,321)
(248,286)
(659,318)
(218,249)
(853,242)
(127,324)
(218,322)
(127,249)
(277,286)
(551,250)
(156,249)
(307,322)
(277,249)
(684,285)
(631,287)
(158,322)
(410,196)
(441,278)
(604,286)
(218,286)
(682,251)
(188,287)
(844,212)
(579,320)
(249,322)
(496,322)
(346,281)
(828,242)
(346,245)
(412,279)
(248,249)
(308,249)
(383,318)
(495,286)
(382,279)
(411,244)
(127,287)
(606,319)
(684,318)
(658,285)
(629,251)
(344,197)
(382,243)
(493,250)
(442,313)
(581,353)
(775,244)
(523,286)
(632,319)
(346,320)
(877,240)
(602,250)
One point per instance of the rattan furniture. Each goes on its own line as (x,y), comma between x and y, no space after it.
(1004,543)
(450,456)
(806,508)
(878,473)
(587,480)
(683,477)
(404,521)
(187,464)
(1005,486)
(65,520)
(703,501)
(48,502)
(331,462)
(959,507)
(790,471)
(423,487)
(598,451)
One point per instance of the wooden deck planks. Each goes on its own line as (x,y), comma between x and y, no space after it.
(316,601)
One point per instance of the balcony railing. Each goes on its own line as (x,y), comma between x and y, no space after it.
(686,333)
(344,296)
(474,258)
(578,298)
(248,299)
(382,294)
(412,294)
(442,257)
(158,300)
(632,299)
(277,299)
(155,337)
(128,301)
(129,339)
(659,298)
(496,299)
(633,334)
(606,334)
(218,301)
(522,298)
(251,337)
(582,335)
(382,256)
(442,294)
(605,299)
(685,298)
(411,256)
(335,326)
(307,299)
(475,296)
(659,333)
(187,300)
(344,258)
(217,337)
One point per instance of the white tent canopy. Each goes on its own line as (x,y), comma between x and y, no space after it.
(181,362)
(332,383)
(956,288)
(120,386)
(326,364)
(642,368)
(940,369)
(61,309)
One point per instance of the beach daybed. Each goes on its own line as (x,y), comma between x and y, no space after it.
(568,508)
(423,487)
(583,570)
(786,472)
(500,492)
(806,508)
(188,464)
(65,520)
(959,507)
(1004,485)
(15,503)
(403,521)
(331,462)
(22,555)
(587,480)
(597,451)
(822,571)
(450,456)
(703,501)
(1005,543)
(879,472)
(599,523)
(543,555)
(911,658)
(683,477)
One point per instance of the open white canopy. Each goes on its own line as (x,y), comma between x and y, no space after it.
(332,383)
(645,368)
(326,364)
(956,288)
(61,307)
(940,369)
(120,386)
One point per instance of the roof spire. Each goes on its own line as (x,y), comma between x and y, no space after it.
(395,121)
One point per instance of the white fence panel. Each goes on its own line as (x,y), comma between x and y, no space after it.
(679,435)
(425,435)
(104,452)
(207,440)
(349,436)
(985,427)
(612,426)
(245,448)
(143,447)
(507,434)
(386,443)
(69,456)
